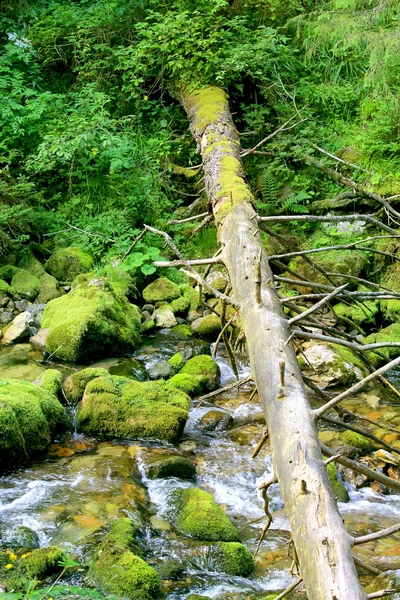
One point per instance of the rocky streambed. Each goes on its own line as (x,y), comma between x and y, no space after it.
(84,485)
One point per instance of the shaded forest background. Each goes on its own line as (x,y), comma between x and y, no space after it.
(91,137)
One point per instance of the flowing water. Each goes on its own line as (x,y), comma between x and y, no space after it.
(81,484)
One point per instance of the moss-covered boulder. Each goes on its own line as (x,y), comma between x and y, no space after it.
(207,327)
(161,290)
(7,272)
(177,361)
(197,597)
(180,305)
(391,279)
(234,559)
(339,491)
(118,569)
(356,440)
(199,516)
(186,383)
(388,334)
(182,332)
(89,322)
(43,562)
(130,409)
(205,369)
(5,289)
(67,263)
(48,289)
(50,381)
(25,284)
(29,417)
(173,466)
(75,384)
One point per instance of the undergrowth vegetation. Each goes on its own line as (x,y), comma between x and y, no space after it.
(92,137)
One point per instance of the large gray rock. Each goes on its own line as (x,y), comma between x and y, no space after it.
(38,341)
(6,317)
(161,370)
(19,330)
(330,365)
(165,318)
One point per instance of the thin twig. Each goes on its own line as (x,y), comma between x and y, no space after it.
(178,221)
(364,539)
(316,306)
(223,389)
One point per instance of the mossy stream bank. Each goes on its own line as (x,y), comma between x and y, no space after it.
(82,485)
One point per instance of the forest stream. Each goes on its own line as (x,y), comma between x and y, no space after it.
(81,484)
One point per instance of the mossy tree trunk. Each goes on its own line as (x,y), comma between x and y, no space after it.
(323,546)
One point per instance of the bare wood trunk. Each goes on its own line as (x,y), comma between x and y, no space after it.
(321,541)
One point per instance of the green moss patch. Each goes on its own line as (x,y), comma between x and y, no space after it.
(25,284)
(67,263)
(388,334)
(205,369)
(207,327)
(119,570)
(182,332)
(235,559)
(29,417)
(199,516)
(351,438)
(7,272)
(75,384)
(176,361)
(186,383)
(121,407)
(161,290)
(339,491)
(89,322)
(43,562)
(5,288)
(48,289)
(361,314)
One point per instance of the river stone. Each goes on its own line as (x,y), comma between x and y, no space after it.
(161,370)
(207,327)
(19,330)
(214,420)
(330,365)
(388,580)
(173,466)
(164,318)
(38,341)
(36,311)
(6,318)
(23,538)
(21,305)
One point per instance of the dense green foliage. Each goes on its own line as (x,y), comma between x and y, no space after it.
(91,133)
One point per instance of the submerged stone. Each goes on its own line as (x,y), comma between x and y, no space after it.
(121,407)
(173,466)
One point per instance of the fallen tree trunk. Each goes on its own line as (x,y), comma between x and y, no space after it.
(322,544)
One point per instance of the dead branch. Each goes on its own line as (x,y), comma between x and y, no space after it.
(356,387)
(199,227)
(318,305)
(366,566)
(193,263)
(219,338)
(362,431)
(260,443)
(194,218)
(352,345)
(364,539)
(380,594)
(328,219)
(273,134)
(291,587)
(352,246)
(344,162)
(194,275)
(360,468)
(264,487)
(223,389)
(349,183)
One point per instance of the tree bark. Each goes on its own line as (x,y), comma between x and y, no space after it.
(322,543)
